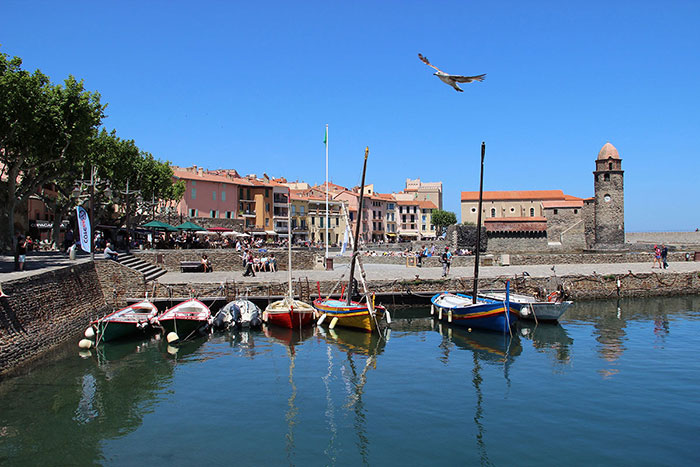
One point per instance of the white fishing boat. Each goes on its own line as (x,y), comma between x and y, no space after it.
(531,307)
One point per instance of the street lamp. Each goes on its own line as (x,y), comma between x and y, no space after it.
(77,193)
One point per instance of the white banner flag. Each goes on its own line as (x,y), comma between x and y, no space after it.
(345,240)
(84,229)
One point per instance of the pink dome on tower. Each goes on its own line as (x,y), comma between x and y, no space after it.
(608,152)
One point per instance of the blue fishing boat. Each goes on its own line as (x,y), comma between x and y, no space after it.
(466,310)
(460,309)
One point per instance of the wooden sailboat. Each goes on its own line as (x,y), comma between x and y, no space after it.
(470,310)
(363,315)
(288,312)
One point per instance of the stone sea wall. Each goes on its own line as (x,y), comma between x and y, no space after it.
(223,259)
(44,310)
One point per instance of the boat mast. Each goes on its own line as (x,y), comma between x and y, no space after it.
(289,242)
(327,215)
(357,229)
(478,224)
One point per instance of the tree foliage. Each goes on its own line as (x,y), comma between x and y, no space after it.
(442,219)
(50,134)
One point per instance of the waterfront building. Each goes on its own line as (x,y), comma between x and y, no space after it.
(409,220)
(550,219)
(425,191)
(300,208)
(427,229)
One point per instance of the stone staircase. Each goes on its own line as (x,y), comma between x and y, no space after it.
(150,271)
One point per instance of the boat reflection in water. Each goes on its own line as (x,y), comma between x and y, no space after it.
(489,347)
(361,351)
(549,338)
(289,338)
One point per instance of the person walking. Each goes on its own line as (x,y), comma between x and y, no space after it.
(664,256)
(249,265)
(21,252)
(657,257)
(446,259)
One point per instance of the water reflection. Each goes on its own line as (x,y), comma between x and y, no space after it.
(549,338)
(289,338)
(89,400)
(490,347)
(361,350)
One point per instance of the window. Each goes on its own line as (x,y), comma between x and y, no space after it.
(294,210)
(193,213)
(313,220)
(390,206)
(493,212)
(267,192)
(607,198)
(301,210)
(223,196)
(267,222)
(422,227)
(194,193)
(575,211)
(556,211)
(337,221)
(424,218)
(213,195)
(240,193)
(267,207)
(610,166)
(512,209)
(294,223)
(606,177)
(228,214)
(473,209)
(213,214)
(320,222)
(532,212)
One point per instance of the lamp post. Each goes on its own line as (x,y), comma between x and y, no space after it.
(80,185)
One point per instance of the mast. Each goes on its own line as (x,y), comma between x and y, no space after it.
(478,224)
(289,242)
(357,229)
(327,216)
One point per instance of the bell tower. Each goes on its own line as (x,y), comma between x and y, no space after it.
(609,198)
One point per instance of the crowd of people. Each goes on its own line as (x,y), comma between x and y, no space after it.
(252,263)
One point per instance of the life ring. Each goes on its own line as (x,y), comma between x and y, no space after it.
(552,297)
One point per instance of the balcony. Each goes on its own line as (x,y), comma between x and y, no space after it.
(246,213)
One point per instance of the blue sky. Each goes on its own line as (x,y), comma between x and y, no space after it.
(250,86)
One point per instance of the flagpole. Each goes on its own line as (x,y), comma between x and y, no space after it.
(327,216)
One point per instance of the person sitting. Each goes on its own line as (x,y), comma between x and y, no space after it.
(206,264)
(109,253)
(273,263)
(264,263)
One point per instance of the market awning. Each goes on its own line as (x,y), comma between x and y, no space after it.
(270,232)
(391,234)
(408,234)
(189,226)
(219,229)
(158,225)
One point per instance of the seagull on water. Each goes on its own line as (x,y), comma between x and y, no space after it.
(452,80)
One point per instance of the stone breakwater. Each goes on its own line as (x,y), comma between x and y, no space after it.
(43,311)
(595,286)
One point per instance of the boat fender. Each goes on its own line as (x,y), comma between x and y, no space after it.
(388,317)
(440,313)
(86,344)
(334,321)
(172,350)
(85,354)
(432,310)
(172,338)
(469,329)
(525,311)
(321,319)
(552,297)
(265,317)
(449,316)
(90,332)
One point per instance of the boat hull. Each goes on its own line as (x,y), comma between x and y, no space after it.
(185,319)
(290,315)
(529,308)
(486,314)
(131,320)
(356,316)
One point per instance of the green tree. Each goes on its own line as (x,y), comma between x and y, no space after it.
(442,219)
(43,127)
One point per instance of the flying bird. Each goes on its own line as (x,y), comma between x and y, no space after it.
(452,80)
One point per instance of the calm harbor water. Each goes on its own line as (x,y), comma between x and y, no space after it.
(613,384)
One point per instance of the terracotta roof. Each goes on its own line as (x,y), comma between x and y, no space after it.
(563,204)
(186,175)
(608,151)
(385,196)
(534,195)
(516,224)
(412,202)
(427,205)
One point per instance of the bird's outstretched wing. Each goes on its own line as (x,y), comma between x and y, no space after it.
(467,79)
(425,60)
